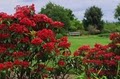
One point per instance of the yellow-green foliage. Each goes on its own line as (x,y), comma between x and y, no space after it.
(111,27)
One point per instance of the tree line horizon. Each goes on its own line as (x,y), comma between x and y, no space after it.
(92,17)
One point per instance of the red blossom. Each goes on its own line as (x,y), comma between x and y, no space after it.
(24,11)
(8,65)
(2,26)
(5,16)
(42,18)
(117,58)
(64,38)
(57,52)
(21,63)
(50,68)
(46,34)
(2,49)
(4,35)
(49,46)
(61,63)
(96,62)
(17,62)
(25,64)
(18,54)
(2,66)
(114,36)
(36,41)
(64,44)
(18,28)
(101,47)
(32,7)
(76,53)
(19,15)
(110,62)
(57,24)
(108,55)
(25,40)
(84,48)
(26,21)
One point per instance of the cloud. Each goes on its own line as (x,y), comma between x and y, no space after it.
(77,6)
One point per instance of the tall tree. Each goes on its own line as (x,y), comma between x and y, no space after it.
(76,25)
(93,17)
(117,12)
(59,13)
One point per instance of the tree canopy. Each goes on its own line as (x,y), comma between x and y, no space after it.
(59,13)
(93,17)
(117,12)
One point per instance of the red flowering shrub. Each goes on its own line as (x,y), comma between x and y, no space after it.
(101,60)
(28,44)
(30,49)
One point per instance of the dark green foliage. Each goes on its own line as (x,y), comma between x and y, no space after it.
(76,25)
(117,12)
(59,13)
(93,17)
(111,27)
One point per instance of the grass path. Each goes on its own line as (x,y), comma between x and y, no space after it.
(77,41)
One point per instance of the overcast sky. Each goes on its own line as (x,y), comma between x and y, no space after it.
(77,6)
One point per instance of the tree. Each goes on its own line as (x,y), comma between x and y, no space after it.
(76,25)
(59,13)
(117,12)
(92,17)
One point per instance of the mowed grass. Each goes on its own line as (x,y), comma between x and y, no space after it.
(77,41)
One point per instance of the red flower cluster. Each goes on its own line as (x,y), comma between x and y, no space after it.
(61,63)
(49,46)
(8,65)
(100,56)
(2,26)
(21,63)
(46,34)
(5,16)
(18,54)
(114,36)
(25,40)
(1,66)
(42,18)
(84,48)
(24,11)
(57,24)
(76,53)
(18,28)
(4,35)
(2,49)
(26,21)
(63,42)
(36,41)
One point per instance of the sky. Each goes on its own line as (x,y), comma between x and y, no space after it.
(77,6)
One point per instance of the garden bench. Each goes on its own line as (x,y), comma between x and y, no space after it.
(74,33)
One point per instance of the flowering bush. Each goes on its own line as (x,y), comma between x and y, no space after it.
(101,60)
(29,48)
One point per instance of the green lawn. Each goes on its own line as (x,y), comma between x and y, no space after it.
(77,41)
